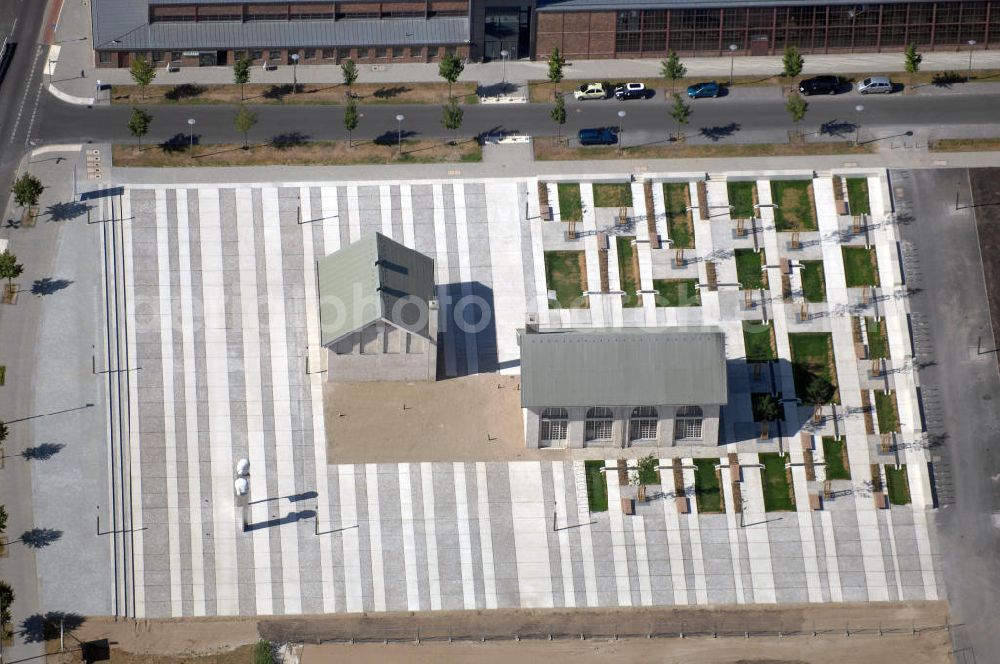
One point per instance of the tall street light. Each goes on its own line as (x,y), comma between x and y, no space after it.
(503,56)
(191,123)
(972,45)
(857,127)
(399,131)
(295,72)
(621,119)
(732,61)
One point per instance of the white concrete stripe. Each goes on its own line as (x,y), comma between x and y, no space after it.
(385,203)
(619,549)
(409,538)
(375,536)
(732,527)
(353,214)
(464,536)
(486,536)
(507,268)
(531,545)
(832,564)
(465,274)
(586,534)
(597,303)
(758,541)
(191,402)
(281,394)
(443,276)
(803,512)
(406,207)
(227,597)
(565,551)
(541,304)
(352,545)
(642,560)
(694,535)
(169,424)
(894,554)
(430,533)
(924,553)
(250,322)
(674,548)
(331,220)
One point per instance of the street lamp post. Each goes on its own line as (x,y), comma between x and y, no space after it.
(732,62)
(857,127)
(191,123)
(98,98)
(621,120)
(295,72)
(399,131)
(503,56)
(972,44)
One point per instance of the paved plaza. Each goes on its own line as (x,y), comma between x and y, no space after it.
(222,319)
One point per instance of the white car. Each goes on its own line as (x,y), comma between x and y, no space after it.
(591,91)
(631,91)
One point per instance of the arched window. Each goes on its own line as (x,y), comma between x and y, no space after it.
(642,424)
(687,423)
(599,421)
(553,426)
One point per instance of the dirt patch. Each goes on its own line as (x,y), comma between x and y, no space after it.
(985,183)
(306,93)
(180,641)
(549,149)
(472,418)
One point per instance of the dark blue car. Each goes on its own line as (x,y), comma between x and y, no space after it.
(706,89)
(598,136)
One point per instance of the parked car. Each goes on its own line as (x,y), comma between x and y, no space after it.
(598,136)
(591,91)
(875,85)
(820,85)
(705,89)
(632,91)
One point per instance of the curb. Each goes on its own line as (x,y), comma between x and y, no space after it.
(70,99)
(46,149)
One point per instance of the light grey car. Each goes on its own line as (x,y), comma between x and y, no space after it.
(875,85)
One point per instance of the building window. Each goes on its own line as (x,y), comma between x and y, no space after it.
(312,16)
(553,427)
(403,13)
(104,57)
(274,55)
(309,54)
(158,56)
(381,53)
(642,424)
(687,423)
(599,422)
(175,56)
(343,53)
(256,55)
(329,53)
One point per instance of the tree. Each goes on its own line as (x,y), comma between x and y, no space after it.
(819,391)
(27,189)
(450,68)
(241,74)
(791,62)
(680,112)
(556,64)
(6,599)
(796,107)
(452,116)
(4,431)
(262,653)
(244,121)
(559,114)
(672,69)
(10,269)
(349,72)
(139,123)
(768,409)
(3,518)
(350,120)
(912,60)
(143,72)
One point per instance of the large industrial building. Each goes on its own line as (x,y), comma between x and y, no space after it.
(217,32)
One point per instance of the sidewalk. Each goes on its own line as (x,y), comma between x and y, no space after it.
(73,76)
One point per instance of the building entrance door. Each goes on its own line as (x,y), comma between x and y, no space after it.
(760,45)
(507,29)
(207,59)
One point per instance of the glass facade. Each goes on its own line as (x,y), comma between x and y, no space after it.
(811,29)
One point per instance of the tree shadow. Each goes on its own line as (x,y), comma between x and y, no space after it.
(390,138)
(946,79)
(177,143)
(837,128)
(185,91)
(223,151)
(292,139)
(66,211)
(717,133)
(45,627)
(291,517)
(48,286)
(37,538)
(390,92)
(42,452)
(278,92)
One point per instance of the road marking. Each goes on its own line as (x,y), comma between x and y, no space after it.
(27,91)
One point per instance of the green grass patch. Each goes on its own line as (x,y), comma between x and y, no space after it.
(860,267)
(898,486)
(758,337)
(749,269)
(885,408)
(795,211)
(857,196)
(565,274)
(813,281)
(707,492)
(570,203)
(812,355)
(612,195)
(626,275)
(678,223)
(741,199)
(777,493)
(677,292)
(3,375)
(835,454)
(878,341)
(597,486)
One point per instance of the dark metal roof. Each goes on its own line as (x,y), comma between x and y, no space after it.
(123,25)
(622,5)
(623,367)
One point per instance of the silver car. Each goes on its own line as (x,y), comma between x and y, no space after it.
(875,85)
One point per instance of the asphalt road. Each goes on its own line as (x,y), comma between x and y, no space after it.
(646,121)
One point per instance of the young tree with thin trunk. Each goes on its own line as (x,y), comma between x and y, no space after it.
(559,114)
(452,116)
(10,269)
(680,112)
(450,68)
(769,409)
(27,189)
(791,62)
(796,107)
(349,72)
(672,69)
(244,121)
(556,64)
(911,60)
(139,123)
(3,519)
(143,72)
(241,75)
(819,391)
(4,432)
(350,120)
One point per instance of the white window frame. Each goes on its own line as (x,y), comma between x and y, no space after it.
(643,424)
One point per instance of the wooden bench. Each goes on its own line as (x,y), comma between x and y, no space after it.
(881,500)
(628,506)
(734,467)
(682,504)
(815,502)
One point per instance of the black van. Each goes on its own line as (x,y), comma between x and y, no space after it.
(598,136)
